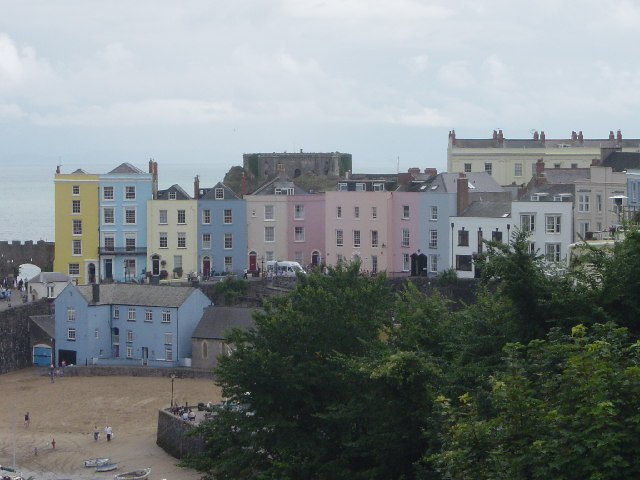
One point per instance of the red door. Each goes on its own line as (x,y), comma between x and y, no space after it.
(253,260)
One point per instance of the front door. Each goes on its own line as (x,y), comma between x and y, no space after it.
(206,267)
(108,269)
(145,355)
(155,265)
(253,261)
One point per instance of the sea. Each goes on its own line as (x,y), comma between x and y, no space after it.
(27,193)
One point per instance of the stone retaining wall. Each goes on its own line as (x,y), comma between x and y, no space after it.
(136,371)
(172,436)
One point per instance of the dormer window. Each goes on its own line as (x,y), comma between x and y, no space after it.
(342,186)
(172,195)
(219,194)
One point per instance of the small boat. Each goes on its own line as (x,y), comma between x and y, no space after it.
(107,467)
(96,462)
(134,475)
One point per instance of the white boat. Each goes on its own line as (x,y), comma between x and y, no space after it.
(96,462)
(134,475)
(107,467)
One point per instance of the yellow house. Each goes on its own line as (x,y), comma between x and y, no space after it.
(77,225)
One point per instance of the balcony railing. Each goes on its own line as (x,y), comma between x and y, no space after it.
(122,251)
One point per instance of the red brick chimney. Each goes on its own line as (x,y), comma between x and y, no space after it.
(536,135)
(611,137)
(580,137)
(452,137)
(574,136)
(414,170)
(431,171)
(500,136)
(462,193)
(540,178)
(619,136)
(542,137)
(196,187)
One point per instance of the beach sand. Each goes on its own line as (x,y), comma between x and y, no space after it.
(68,409)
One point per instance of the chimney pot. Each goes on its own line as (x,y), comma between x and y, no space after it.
(611,137)
(542,136)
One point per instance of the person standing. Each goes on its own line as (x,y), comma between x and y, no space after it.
(51,372)
(96,433)
(26,419)
(108,431)
(53,443)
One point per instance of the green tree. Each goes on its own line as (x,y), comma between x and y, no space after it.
(565,408)
(292,378)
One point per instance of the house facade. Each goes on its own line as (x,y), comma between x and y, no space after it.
(222,231)
(125,324)
(305,229)
(513,160)
(124,193)
(47,285)
(77,225)
(172,243)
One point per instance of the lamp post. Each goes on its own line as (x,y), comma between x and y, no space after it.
(173,377)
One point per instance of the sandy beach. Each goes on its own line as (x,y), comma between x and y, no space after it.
(67,411)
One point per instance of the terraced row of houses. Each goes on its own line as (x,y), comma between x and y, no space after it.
(120,227)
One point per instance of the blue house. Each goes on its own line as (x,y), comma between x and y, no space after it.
(124,193)
(222,230)
(125,324)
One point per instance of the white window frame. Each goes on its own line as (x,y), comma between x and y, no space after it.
(71,334)
(108,213)
(71,314)
(130,192)
(131,314)
(206,216)
(298,234)
(206,241)
(181,216)
(552,223)
(298,212)
(339,238)
(108,193)
(406,238)
(148,315)
(228,241)
(163,217)
(584,200)
(227,216)
(181,240)
(270,234)
(269,213)
(433,213)
(166,316)
(356,239)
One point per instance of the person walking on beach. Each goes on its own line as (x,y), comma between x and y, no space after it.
(96,433)
(26,419)
(51,372)
(53,443)
(108,431)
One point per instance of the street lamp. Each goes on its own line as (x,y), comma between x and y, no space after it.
(173,377)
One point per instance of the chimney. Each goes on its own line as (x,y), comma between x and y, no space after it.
(95,290)
(414,170)
(462,193)
(432,172)
(580,137)
(542,137)
(611,137)
(495,135)
(595,162)
(243,185)
(300,150)
(196,187)
(574,136)
(405,178)
(619,136)
(151,165)
(500,136)
(540,178)
(452,137)
(536,135)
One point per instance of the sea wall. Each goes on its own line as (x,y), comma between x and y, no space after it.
(15,342)
(172,436)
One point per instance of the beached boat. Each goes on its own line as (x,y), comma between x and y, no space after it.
(134,475)
(107,467)
(10,476)
(96,462)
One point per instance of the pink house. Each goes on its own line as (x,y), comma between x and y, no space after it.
(306,229)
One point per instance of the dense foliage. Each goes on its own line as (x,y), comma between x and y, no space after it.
(539,378)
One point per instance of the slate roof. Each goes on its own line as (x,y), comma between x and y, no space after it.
(566,175)
(270,187)
(142,295)
(448,183)
(210,193)
(80,171)
(45,277)
(621,161)
(46,323)
(551,190)
(217,321)
(126,168)
(181,194)
(488,210)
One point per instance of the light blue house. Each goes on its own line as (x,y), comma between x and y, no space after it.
(222,231)
(442,197)
(123,197)
(125,324)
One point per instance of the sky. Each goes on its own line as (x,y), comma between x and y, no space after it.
(195,84)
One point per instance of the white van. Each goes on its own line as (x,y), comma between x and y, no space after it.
(284,268)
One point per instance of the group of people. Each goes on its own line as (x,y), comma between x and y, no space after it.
(187,414)
(108,433)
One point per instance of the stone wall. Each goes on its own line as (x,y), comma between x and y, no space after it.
(15,344)
(15,253)
(172,436)
(136,371)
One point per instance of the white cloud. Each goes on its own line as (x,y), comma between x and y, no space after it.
(150,112)
(19,66)
(456,74)
(499,75)
(358,10)
(416,63)
(425,117)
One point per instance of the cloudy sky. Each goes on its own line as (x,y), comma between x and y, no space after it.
(197,83)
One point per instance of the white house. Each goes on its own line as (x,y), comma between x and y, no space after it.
(47,285)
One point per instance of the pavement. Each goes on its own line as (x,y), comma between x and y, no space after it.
(16,300)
